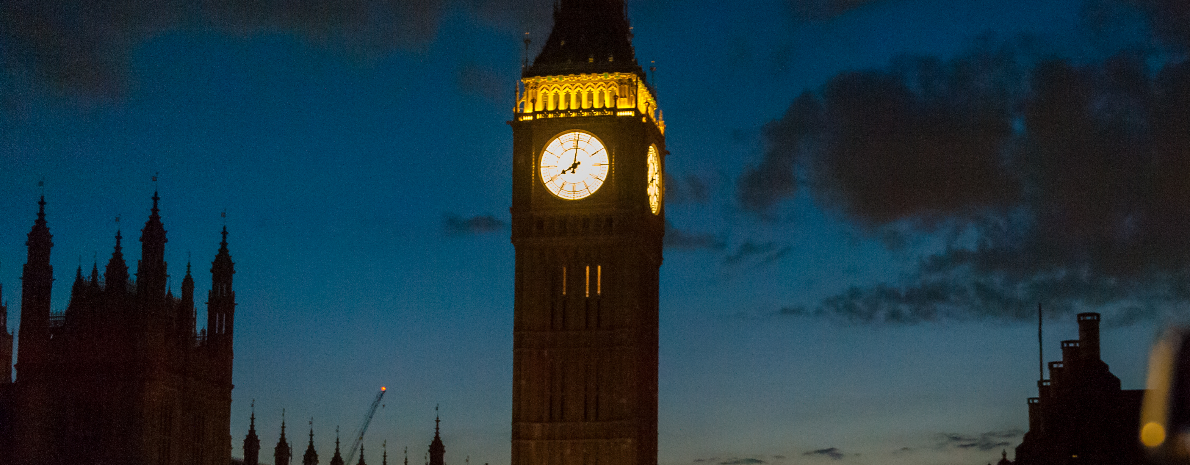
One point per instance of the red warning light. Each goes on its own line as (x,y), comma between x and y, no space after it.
(382,388)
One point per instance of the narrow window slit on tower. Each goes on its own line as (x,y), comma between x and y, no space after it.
(564,280)
(587,290)
(598,279)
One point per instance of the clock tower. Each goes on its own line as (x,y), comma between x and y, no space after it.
(587,223)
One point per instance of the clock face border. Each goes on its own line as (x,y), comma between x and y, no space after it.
(589,148)
(655,178)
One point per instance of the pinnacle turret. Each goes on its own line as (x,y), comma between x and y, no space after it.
(36,282)
(150,272)
(437,449)
(186,315)
(115,277)
(40,240)
(282,453)
(251,441)
(311,456)
(338,458)
(221,299)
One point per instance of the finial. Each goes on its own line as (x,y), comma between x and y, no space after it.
(253,418)
(223,215)
(406,455)
(41,184)
(155,183)
(282,422)
(525,59)
(436,419)
(311,429)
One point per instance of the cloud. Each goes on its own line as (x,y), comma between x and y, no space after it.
(1043,180)
(679,239)
(832,453)
(922,140)
(687,189)
(984,442)
(824,9)
(761,187)
(484,82)
(1170,20)
(743,461)
(758,253)
(83,47)
(482,224)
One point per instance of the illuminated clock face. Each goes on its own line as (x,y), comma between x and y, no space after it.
(574,165)
(654,187)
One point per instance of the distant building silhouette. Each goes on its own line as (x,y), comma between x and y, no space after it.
(283,452)
(1081,415)
(120,376)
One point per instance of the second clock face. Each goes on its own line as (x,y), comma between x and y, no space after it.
(654,186)
(574,165)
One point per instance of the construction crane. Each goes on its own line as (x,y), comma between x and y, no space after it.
(363,427)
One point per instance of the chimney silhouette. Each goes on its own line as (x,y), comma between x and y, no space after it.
(1088,335)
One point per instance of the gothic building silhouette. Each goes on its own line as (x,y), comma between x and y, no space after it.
(1081,416)
(121,376)
(283,452)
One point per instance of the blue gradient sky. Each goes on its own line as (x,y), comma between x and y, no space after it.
(366,179)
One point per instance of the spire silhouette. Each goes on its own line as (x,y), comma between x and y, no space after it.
(150,272)
(437,449)
(311,456)
(36,281)
(251,441)
(281,454)
(338,458)
(115,277)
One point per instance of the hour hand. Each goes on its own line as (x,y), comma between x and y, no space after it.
(572,167)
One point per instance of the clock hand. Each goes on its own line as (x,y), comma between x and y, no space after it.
(575,155)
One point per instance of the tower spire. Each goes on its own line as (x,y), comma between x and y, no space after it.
(437,449)
(338,458)
(589,36)
(251,441)
(221,301)
(281,453)
(311,456)
(150,271)
(36,281)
